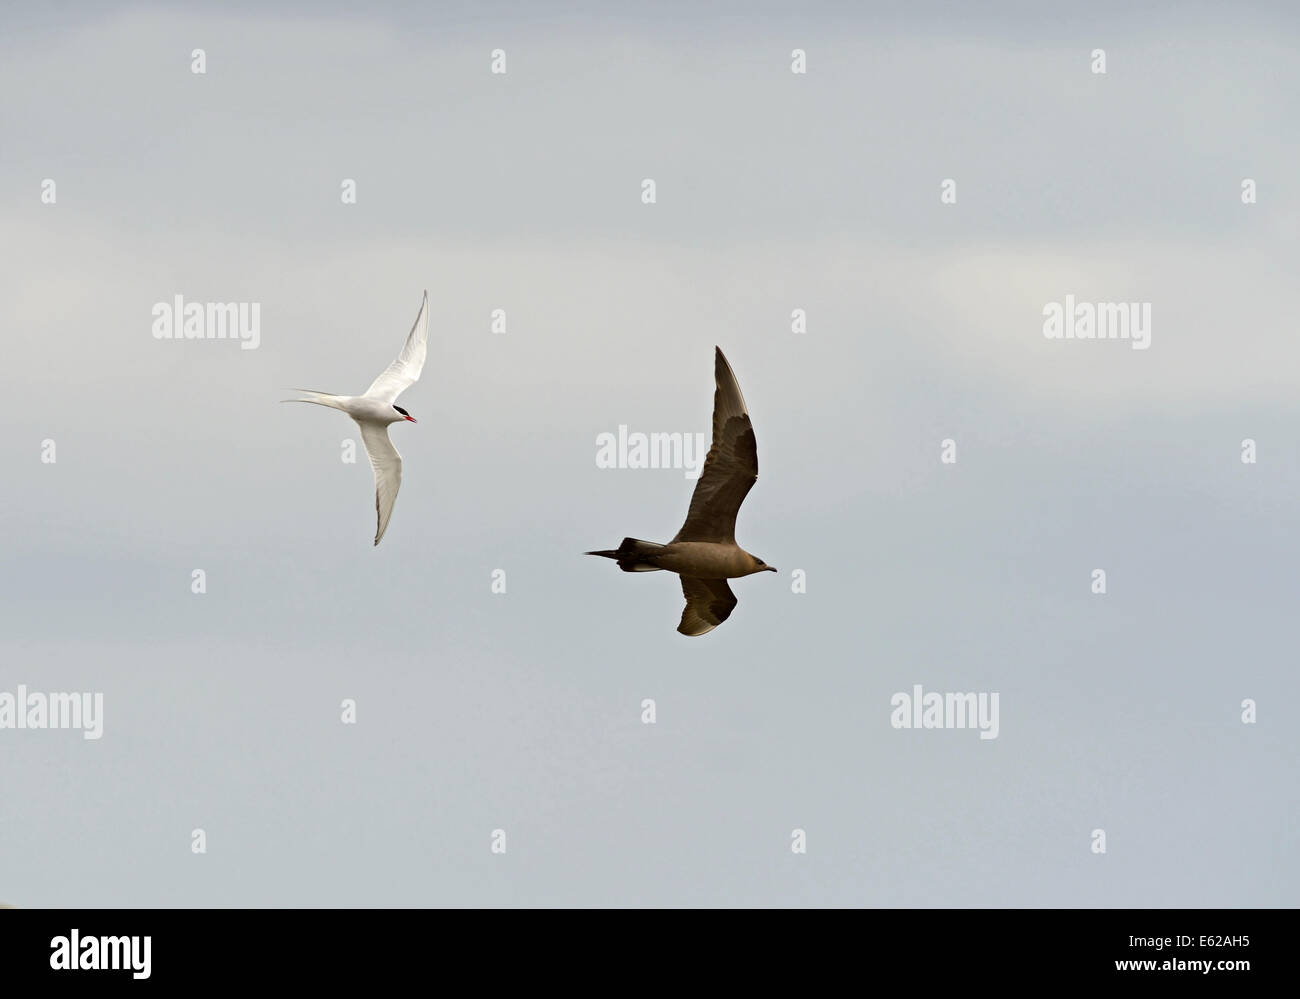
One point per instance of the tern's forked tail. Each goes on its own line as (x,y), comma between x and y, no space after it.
(318,398)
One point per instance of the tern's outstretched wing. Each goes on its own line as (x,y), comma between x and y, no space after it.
(709,602)
(402,373)
(730,468)
(387,464)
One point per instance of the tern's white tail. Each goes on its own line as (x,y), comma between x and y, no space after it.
(318,398)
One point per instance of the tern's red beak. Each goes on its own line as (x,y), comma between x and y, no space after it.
(413,419)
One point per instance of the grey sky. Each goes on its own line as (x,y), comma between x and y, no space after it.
(522,711)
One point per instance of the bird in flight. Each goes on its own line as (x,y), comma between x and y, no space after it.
(376,409)
(704,553)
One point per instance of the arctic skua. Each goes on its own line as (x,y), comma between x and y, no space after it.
(704,553)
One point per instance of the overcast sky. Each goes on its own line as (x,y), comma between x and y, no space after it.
(522,711)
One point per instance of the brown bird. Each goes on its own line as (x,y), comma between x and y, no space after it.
(704,553)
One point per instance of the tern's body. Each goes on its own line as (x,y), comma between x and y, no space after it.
(704,553)
(376,410)
(360,408)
